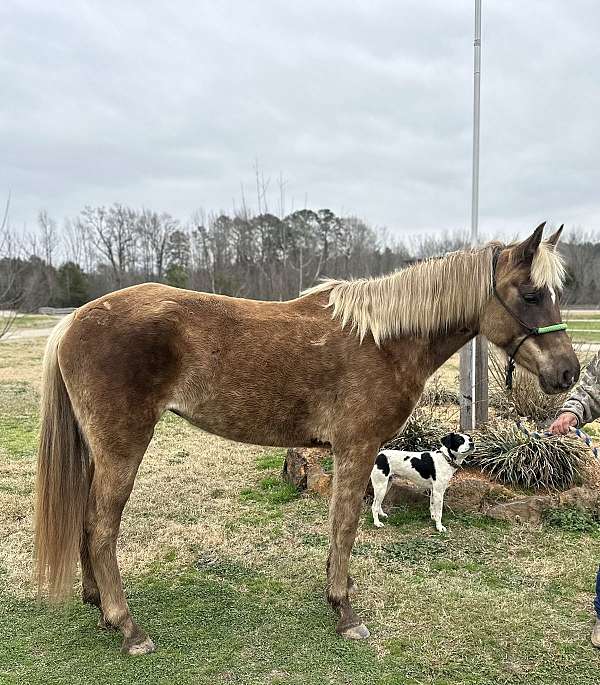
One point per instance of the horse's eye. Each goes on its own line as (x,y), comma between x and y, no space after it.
(531,298)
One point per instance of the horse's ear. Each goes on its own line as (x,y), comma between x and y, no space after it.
(553,239)
(524,251)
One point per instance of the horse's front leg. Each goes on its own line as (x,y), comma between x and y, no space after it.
(352,468)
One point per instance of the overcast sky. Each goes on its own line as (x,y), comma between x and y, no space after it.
(363,107)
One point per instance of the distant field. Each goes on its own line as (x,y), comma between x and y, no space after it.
(34,321)
(584,326)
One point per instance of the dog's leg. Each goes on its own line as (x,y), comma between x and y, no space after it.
(387,489)
(437,504)
(379,482)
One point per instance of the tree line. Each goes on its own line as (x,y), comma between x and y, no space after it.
(262,256)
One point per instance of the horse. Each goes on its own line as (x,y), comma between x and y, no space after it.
(344,364)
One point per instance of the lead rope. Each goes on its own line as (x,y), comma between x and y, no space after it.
(546,434)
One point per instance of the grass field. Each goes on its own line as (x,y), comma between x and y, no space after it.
(225,569)
(583,326)
(23,321)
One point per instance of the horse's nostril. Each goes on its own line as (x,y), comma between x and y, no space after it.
(568,378)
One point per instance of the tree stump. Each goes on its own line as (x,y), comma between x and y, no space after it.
(309,469)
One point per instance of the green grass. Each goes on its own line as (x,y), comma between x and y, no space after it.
(584,328)
(271,490)
(18,437)
(216,625)
(574,314)
(467,608)
(327,464)
(272,459)
(18,420)
(585,337)
(593,429)
(573,520)
(34,321)
(585,325)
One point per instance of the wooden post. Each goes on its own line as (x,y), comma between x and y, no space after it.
(473,384)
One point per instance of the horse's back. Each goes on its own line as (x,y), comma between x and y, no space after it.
(227,364)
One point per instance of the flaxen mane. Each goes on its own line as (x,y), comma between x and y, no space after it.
(548,269)
(429,297)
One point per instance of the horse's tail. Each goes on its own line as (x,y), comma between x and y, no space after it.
(62,483)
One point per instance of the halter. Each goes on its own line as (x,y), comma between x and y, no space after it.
(531,331)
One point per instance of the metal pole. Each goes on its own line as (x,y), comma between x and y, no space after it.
(473,361)
(476,116)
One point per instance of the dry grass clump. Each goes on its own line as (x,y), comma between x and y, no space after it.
(437,393)
(510,456)
(526,397)
(423,431)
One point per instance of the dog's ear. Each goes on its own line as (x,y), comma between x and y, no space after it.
(452,441)
(457,440)
(447,441)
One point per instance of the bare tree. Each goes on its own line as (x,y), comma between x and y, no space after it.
(113,232)
(154,231)
(48,235)
(9,267)
(582,253)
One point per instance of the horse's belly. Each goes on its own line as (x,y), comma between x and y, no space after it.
(254,420)
(256,431)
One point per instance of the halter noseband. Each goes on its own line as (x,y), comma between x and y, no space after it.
(553,328)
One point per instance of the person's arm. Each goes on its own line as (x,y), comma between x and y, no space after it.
(583,405)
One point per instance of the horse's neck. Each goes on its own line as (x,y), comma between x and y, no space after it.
(444,346)
(432,352)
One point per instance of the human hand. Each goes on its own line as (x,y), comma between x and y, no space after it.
(563,423)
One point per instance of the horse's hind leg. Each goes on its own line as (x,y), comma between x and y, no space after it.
(352,469)
(111,486)
(90,593)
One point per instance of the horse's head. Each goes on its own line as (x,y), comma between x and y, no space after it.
(528,279)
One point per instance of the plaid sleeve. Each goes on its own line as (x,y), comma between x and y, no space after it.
(584,401)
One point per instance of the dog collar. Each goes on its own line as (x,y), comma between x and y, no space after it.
(448,457)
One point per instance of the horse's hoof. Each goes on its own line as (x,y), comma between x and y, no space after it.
(359,632)
(135,646)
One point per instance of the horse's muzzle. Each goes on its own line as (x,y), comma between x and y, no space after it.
(560,376)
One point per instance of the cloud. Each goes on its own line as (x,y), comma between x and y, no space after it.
(363,107)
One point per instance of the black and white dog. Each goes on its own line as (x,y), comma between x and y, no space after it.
(432,470)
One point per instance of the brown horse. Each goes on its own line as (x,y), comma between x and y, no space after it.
(344,364)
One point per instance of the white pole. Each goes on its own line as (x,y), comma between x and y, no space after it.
(476,113)
(475,188)
(474,385)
